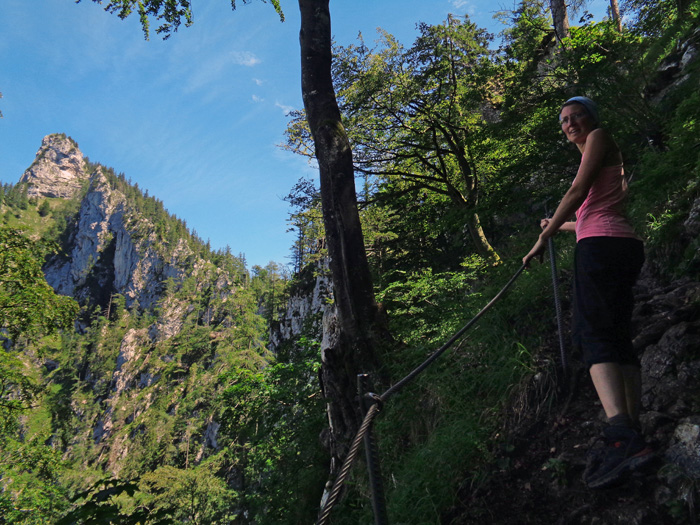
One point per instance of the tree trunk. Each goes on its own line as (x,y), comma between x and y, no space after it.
(560,18)
(615,9)
(351,349)
(469,202)
(476,232)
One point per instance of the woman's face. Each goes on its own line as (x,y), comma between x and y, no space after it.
(576,123)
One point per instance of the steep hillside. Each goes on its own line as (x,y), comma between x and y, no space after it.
(494,432)
(113,245)
(135,387)
(552,421)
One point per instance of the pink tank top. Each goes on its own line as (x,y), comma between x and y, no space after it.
(602,213)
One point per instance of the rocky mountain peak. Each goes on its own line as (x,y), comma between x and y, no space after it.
(58,170)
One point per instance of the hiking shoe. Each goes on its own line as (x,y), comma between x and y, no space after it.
(594,457)
(625,451)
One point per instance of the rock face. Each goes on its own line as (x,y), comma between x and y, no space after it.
(310,304)
(111,248)
(106,256)
(58,171)
(674,69)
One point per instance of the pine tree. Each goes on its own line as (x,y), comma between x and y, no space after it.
(45,208)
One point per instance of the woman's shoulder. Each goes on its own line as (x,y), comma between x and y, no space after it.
(603,139)
(600,134)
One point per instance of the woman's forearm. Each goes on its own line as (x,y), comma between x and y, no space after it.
(568,226)
(566,209)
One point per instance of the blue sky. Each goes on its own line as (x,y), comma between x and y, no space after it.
(196,119)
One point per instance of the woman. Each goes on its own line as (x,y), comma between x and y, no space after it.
(607,262)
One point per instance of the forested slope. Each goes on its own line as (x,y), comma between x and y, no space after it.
(459,149)
(131,388)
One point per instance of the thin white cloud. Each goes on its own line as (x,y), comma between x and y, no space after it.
(244,58)
(463,5)
(208,72)
(258,99)
(258,81)
(285,109)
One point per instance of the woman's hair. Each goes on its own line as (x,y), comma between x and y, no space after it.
(587,103)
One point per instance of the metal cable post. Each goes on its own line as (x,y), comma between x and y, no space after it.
(372,455)
(347,465)
(557,300)
(557,305)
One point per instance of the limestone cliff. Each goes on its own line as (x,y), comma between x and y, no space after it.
(58,170)
(107,252)
(308,307)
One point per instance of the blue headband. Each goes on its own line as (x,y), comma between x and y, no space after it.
(587,103)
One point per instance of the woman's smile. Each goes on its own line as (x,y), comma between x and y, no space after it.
(576,123)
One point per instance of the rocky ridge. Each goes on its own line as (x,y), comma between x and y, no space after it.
(58,170)
(111,249)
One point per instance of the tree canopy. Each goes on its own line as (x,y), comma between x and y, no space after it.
(170,13)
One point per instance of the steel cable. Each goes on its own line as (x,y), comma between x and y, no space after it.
(347,465)
(374,409)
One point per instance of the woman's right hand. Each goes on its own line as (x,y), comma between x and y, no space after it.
(544,223)
(536,251)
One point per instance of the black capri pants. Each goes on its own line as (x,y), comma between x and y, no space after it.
(605,270)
